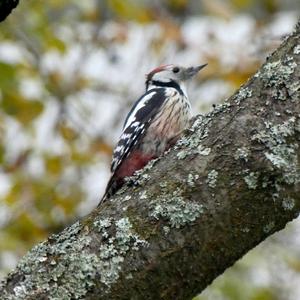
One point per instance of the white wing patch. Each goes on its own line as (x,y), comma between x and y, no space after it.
(140,105)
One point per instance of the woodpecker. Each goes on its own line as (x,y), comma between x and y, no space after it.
(154,123)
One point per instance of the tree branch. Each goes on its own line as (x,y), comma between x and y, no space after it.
(230,182)
(6,6)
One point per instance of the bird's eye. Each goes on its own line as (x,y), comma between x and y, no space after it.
(175,70)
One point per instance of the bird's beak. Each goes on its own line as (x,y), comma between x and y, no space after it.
(192,71)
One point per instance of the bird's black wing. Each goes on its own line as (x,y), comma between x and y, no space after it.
(137,123)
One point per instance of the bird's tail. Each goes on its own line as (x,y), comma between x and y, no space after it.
(112,186)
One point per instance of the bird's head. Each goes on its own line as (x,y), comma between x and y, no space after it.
(171,73)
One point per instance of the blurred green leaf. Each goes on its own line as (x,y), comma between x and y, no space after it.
(54,165)
(2,153)
(130,9)
(7,76)
(242,3)
(263,294)
(16,106)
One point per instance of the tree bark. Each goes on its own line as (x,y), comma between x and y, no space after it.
(6,6)
(230,182)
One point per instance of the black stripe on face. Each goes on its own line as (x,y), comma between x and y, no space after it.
(171,83)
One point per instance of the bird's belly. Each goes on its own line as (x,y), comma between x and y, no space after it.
(166,127)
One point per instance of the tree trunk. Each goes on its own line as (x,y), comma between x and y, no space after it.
(230,182)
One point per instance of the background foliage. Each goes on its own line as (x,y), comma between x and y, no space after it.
(69,71)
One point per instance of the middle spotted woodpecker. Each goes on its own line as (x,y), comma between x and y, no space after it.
(154,123)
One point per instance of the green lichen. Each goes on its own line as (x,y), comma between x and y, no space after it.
(129,276)
(143,195)
(126,238)
(293,88)
(281,153)
(175,209)
(197,123)
(251,180)
(242,154)
(72,266)
(246,230)
(203,151)
(268,227)
(68,247)
(141,176)
(296,49)
(243,93)
(182,154)
(212,178)
(166,230)
(277,74)
(288,203)
(189,144)
(221,108)
(127,198)
(102,224)
(163,184)
(285,158)
(191,179)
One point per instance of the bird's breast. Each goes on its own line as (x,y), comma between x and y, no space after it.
(171,120)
